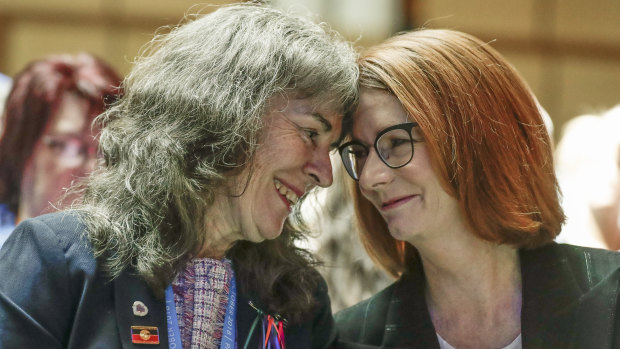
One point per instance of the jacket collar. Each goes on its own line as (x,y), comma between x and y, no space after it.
(550,299)
(409,314)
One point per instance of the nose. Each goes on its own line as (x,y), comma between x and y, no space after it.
(374,173)
(319,168)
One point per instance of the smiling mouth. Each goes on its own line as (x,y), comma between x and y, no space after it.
(288,194)
(395,203)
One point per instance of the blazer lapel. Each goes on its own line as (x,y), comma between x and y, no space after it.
(550,298)
(598,327)
(408,314)
(128,289)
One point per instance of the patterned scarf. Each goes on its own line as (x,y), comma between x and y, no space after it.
(201,296)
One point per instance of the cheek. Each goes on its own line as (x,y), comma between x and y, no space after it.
(291,148)
(368,195)
(41,164)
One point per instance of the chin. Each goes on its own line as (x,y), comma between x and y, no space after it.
(270,234)
(399,234)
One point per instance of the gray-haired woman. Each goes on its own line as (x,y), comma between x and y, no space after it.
(184,237)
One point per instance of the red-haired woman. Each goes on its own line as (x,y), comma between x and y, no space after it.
(47,141)
(456,197)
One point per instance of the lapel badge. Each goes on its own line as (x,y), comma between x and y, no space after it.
(144,335)
(139,308)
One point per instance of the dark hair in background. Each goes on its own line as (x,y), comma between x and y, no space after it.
(191,115)
(36,93)
(486,137)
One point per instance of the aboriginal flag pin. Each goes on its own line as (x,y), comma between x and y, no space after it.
(144,335)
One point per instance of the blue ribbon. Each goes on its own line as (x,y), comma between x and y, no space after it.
(229,336)
(174,335)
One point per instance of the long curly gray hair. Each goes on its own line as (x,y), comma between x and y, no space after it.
(190,116)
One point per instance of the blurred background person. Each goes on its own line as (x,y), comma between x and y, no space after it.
(47,141)
(588,168)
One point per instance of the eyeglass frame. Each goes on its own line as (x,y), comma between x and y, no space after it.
(407,126)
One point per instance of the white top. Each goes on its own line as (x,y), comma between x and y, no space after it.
(516,344)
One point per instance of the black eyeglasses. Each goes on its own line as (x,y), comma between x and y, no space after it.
(394,145)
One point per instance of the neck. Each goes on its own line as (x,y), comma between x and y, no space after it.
(214,251)
(468,269)
(220,232)
(473,291)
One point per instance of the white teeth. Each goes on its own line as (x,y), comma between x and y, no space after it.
(291,197)
(284,191)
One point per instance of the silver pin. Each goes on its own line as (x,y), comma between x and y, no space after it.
(139,308)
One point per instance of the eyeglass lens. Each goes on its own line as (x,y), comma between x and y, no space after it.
(394,147)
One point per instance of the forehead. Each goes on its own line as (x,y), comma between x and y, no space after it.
(377,110)
(71,116)
(320,108)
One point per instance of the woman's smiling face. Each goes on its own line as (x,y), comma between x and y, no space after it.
(292,158)
(411,198)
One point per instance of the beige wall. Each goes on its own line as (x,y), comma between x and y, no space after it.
(114,30)
(568,50)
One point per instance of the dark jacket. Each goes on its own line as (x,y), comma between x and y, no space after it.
(570,300)
(54,295)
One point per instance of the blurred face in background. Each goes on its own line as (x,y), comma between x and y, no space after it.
(65,152)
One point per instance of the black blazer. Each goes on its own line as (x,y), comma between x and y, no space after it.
(54,295)
(570,300)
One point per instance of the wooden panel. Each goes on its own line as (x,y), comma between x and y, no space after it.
(589,85)
(46,6)
(590,21)
(170,11)
(31,40)
(111,29)
(530,67)
(512,17)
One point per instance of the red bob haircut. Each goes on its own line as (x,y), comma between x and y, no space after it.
(35,96)
(487,140)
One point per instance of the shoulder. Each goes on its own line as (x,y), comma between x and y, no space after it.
(589,266)
(47,256)
(597,272)
(47,251)
(60,233)
(50,246)
(366,319)
(604,261)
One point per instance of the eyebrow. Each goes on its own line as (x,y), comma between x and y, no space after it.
(327,126)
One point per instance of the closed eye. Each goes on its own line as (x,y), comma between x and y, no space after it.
(312,134)
(359,153)
(399,141)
